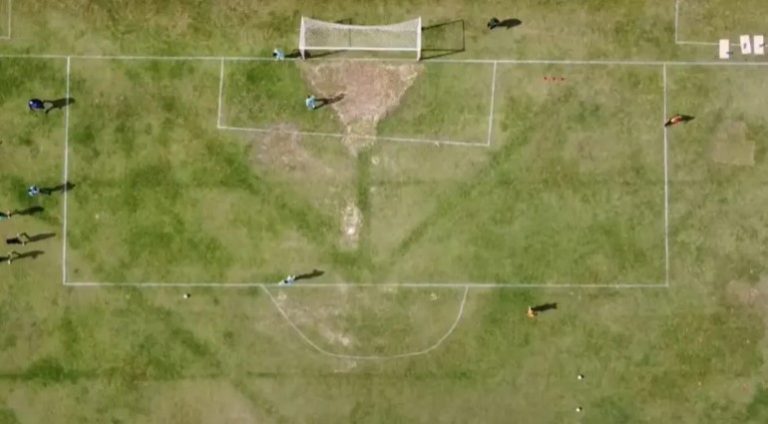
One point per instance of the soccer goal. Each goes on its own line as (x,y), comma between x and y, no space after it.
(320,35)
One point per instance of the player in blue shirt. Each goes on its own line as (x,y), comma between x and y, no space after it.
(36,104)
(311,102)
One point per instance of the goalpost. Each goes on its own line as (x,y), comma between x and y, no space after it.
(320,35)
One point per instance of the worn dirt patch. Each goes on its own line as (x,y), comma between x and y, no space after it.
(731,145)
(750,295)
(351,222)
(281,149)
(365,92)
(323,318)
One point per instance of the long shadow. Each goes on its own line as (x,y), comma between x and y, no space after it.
(29,211)
(295,54)
(59,188)
(33,254)
(40,237)
(506,23)
(328,101)
(59,103)
(443,39)
(544,307)
(314,274)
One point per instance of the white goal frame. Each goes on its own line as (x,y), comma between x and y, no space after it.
(306,41)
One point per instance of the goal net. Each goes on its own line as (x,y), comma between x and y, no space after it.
(320,35)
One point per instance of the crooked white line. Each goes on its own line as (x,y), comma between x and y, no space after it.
(490,112)
(389,285)
(666,181)
(66,179)
(221,92)
(371,357)
(366,137)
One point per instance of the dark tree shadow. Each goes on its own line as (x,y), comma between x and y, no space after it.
(325,101)
(40,237)
(544,307)
(59,188)
(59,103)
(314,274)
(29,211)
(442,39)
(31,254)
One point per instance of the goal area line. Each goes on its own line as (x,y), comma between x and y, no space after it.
(414,140)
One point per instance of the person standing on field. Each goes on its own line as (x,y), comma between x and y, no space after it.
(36,104)
(20,238)
(311,102)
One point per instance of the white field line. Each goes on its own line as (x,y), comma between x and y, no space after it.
(221,93)
(66,179)
(677,20)
(666,181)
(690,43)
(366,137)
(338,135)
(491,109)
(8,23)
(597,62)
(371,357)
(381,285)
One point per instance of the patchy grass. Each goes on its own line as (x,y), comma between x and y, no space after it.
(570,191)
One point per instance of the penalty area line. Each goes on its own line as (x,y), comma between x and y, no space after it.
(310,285)
(66,179)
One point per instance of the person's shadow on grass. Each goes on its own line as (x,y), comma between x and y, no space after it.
(31,254)
(59,103)
(29,211)
(40,237)
(314,274)
(544,307)
(59,188)
(327,101)
(506,23)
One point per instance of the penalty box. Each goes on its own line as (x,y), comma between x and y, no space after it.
(639,111)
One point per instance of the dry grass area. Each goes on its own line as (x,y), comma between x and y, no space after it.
(732,146)
(361,93)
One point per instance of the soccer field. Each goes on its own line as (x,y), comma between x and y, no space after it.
(424,209)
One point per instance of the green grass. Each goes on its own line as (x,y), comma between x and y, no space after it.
(436,107)
(570,191)
(269,95)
